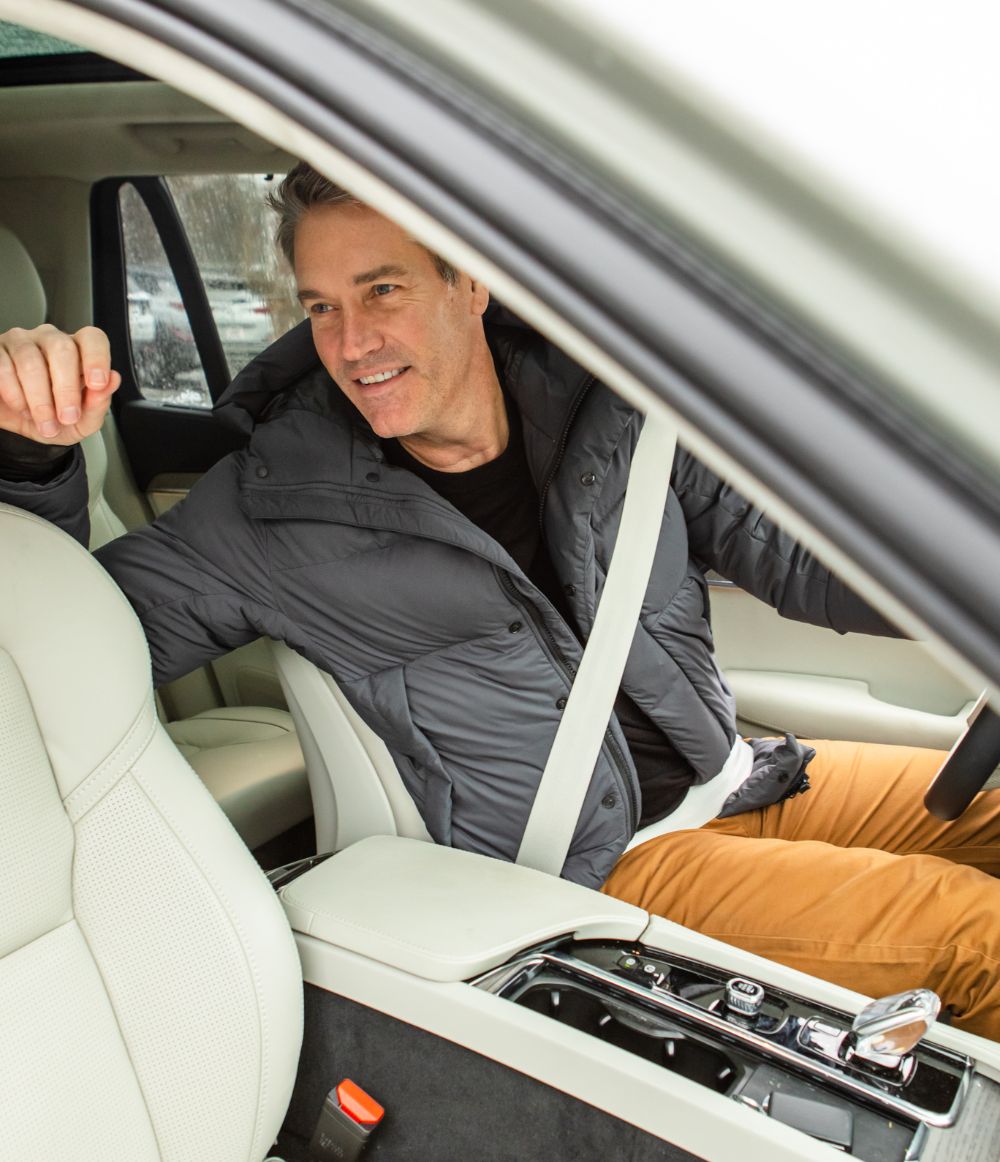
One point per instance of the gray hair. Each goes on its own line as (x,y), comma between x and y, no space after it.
(302,189)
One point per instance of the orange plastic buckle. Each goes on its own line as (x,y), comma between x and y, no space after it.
(347,1120)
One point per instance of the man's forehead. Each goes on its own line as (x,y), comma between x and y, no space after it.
(351,224)
(355,244)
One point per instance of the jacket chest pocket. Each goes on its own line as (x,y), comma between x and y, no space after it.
(396,597)
(301,544)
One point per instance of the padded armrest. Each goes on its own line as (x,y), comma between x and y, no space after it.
(442,914)
(828,707)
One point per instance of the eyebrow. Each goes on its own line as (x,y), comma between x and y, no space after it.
(383,271)
(387,270)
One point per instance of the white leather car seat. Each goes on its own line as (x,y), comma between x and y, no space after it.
(248,756)
(150,991)
(356,788)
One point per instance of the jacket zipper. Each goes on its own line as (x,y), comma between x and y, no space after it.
(619,764)
(536,619)
(613,747)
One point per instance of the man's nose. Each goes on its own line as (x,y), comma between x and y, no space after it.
(359,335)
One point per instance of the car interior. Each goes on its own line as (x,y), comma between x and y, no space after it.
(493,1010)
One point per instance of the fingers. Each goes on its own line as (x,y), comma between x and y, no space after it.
(11,396)
(55,400)
(95,357)
(95,404)
(43,367)
(50,380)
(99,381)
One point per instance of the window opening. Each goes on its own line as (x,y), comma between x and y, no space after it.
(167,366)
(249,289)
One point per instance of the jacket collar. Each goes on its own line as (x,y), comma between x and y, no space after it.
(273,373)
(312,466)
(312,455)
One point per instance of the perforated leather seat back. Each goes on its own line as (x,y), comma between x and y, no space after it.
(150,996)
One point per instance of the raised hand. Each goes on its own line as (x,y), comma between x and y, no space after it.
(55,388)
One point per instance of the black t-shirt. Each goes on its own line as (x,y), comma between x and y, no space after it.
(500,498)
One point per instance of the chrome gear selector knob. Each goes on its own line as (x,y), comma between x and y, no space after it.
(744,996)
(891,1027)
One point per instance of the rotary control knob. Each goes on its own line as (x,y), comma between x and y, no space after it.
(744,996)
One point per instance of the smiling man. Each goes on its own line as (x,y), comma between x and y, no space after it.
(403,340)
(425,508)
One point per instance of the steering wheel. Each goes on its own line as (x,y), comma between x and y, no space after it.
(969,765)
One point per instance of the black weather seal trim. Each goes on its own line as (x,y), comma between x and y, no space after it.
(76,68)
(109,278)
(108,284)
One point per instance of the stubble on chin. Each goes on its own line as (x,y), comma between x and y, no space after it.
(387,423)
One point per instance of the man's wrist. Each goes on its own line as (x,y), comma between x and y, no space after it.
(23,460)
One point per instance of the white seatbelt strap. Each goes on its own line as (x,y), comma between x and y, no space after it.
(578,740)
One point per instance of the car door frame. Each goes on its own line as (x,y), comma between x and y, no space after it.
(160,439)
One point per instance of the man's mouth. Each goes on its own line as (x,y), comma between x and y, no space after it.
(380,376)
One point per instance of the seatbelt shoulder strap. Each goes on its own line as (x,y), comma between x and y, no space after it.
(575,750)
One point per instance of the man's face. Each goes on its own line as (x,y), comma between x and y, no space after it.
(395,336)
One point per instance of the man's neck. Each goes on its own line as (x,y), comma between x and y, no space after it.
(468,443)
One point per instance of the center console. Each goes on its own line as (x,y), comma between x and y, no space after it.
(689,1039)
(792,1059)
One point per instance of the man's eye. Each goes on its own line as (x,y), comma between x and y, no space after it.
(320,308)
(383,288)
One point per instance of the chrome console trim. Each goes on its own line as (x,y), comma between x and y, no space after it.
(651,995)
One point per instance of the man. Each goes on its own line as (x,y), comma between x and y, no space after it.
(435,534)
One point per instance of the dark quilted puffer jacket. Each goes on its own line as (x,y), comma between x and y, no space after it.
(437,638)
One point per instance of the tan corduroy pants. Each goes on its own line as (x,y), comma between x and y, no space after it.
(852,881)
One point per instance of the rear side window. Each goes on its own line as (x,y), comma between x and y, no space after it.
(227,233)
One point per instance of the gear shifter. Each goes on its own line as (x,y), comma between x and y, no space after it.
(886,1030)
(894,1024)
(881,1038)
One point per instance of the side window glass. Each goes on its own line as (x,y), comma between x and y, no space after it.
(250,291)
(167,367)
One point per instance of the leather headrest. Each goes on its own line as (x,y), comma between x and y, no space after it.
(22,296)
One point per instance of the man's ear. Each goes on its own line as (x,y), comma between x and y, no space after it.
(480,297)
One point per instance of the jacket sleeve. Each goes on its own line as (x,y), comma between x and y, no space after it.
(197,578)
(728,534)
(61,499)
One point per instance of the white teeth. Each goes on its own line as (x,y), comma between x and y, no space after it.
(382,376)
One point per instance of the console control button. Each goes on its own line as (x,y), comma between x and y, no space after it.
(643,971)
(744,996)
